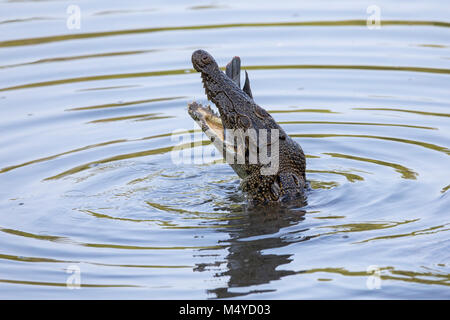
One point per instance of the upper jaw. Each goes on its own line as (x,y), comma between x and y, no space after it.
(196,62)
(208,120)
(199,112)
(207,81)
(197,66)
(196,59)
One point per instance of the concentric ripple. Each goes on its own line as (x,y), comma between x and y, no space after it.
(93,120)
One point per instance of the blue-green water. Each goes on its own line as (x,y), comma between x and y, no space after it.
(88,182)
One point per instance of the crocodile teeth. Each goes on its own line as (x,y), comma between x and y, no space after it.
(212,111)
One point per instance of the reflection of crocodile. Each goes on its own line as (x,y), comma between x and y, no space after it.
(238,111)
(256,257)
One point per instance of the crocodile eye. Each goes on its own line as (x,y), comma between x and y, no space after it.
(206,59)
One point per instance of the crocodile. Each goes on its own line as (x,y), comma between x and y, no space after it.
(286,182)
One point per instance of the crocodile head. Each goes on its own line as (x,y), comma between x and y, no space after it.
(222,91)
(282,178)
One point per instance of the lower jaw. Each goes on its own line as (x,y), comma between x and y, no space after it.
(207,119)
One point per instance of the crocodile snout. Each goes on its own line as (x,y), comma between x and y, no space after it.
(200,59)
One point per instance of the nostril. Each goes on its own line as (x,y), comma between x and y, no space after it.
(196,55)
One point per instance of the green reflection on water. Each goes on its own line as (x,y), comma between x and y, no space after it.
(80,57)
(405,172)
(351,177)
(408,141)
(444,189)
(47,260)
(358,123)
(323,184)
(303,110)
(128,103)
(363,226)
(396,275)
(425,113)
(101,245)
(190,70)
(138,117)
(430,230)
(343,23)
(58,284)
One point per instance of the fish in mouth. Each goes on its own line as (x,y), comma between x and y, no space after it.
(279,177)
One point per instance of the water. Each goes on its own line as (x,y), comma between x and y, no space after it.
(89,191)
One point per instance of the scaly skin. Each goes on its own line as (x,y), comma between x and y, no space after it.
(237,110)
